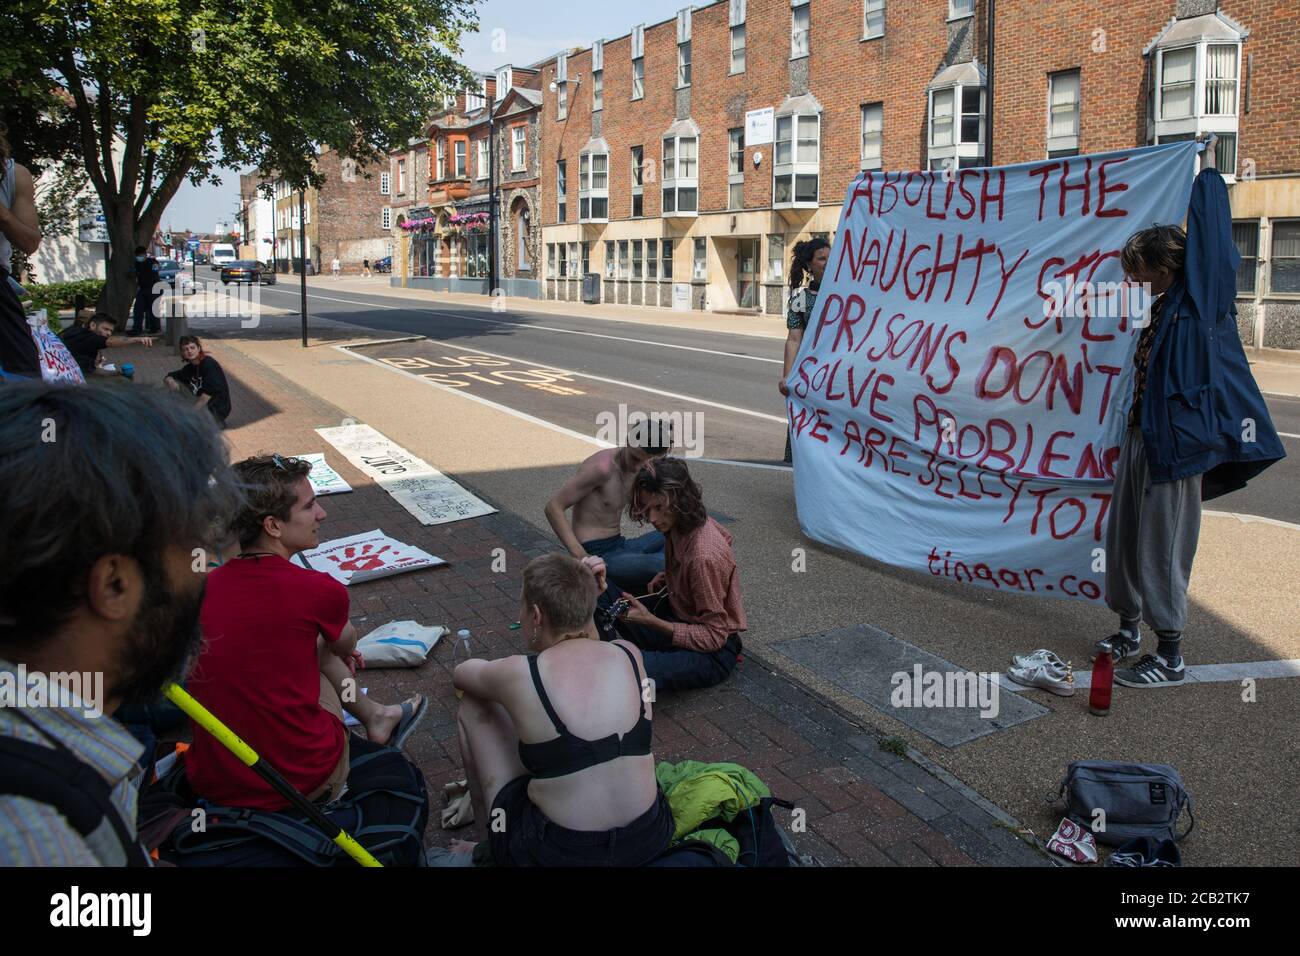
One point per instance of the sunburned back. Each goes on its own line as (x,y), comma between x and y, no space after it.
(599,513)
(595,693)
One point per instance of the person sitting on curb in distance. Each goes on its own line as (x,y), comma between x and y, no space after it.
(1197,427)
(556,743)
(279,655)
(598,494)
(689,637)
(98,584)
(85,342)
(807,263)
(204,378)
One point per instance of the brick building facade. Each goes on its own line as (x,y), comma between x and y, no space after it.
(349,202)
(684,160)
(516,121)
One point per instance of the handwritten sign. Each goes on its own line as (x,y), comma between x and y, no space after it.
(366,557)
(961,392)
(416,485)
(324,479)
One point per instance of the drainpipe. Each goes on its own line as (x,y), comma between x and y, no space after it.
(988,105)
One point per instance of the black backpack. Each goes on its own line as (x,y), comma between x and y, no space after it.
(762,841)
(385,808)
(55,776)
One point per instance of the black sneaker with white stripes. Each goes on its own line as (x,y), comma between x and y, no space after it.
(1121,646)
(1151,671)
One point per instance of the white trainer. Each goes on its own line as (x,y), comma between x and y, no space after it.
(1040,656)
(1055,680)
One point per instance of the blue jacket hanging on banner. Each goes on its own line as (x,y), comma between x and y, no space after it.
(1204,414)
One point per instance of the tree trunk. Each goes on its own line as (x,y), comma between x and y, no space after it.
(119,291)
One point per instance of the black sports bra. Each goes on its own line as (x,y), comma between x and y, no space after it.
(568,754)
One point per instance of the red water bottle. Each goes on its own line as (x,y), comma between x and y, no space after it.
(1103,682)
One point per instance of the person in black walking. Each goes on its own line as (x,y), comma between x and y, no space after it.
(147,279)
(807,263)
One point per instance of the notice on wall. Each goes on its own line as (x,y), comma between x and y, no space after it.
(962,388)
(759,126)
(416,485)
(324,479)
(365,557)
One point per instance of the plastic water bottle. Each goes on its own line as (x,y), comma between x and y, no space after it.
(460,652)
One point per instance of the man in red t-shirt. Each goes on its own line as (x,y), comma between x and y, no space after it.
(279,654)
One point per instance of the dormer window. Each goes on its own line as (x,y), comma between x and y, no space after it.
(1195,71)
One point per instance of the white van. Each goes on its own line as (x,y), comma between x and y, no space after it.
(222,253)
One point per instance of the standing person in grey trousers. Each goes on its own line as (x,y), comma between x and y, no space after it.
(1198,427)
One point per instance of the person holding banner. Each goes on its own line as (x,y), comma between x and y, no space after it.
(1198,427)
(807,263)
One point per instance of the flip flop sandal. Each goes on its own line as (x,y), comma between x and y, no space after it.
(410,720)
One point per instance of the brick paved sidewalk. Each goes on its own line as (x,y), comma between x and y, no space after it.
(863,805)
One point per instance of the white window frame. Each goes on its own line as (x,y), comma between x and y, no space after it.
(961,9)
(794,167)
(611,260)
(678,181)
(386,218)
(561,189)
(800,28)
(1200,121)
(505,80)
(385,184)
(476,99)
(638,78)
(441,160)
(460,159)
(962,154)
(482,158)
(737,50)
(874,115)
(588,192)
(700,264)
(684,64)
(1270,291)
(652,260)
(518,148)
(401,177)
(638,180)
(736,166)
(873,11)
(1064,144)
(562,100)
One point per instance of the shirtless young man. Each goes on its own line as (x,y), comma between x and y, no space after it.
(598,494)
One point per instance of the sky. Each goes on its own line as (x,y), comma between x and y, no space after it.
(518,32)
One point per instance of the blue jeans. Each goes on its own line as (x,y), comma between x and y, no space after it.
(631,563)
(671,668)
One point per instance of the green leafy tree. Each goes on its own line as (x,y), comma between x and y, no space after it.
(168,90)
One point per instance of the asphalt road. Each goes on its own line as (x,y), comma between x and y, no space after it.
(575,371)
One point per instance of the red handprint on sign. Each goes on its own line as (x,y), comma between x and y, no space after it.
(365,559)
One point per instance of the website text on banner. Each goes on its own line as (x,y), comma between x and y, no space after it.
(959,398)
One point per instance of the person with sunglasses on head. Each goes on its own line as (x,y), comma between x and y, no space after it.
(807,265)
(203,377)
(279,657)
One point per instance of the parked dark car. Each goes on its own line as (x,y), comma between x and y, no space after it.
(174,274)
(247,270)
(384,265)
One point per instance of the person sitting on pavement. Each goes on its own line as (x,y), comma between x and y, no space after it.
(204,378)
(598,494)
(279,656)
(85,342)
(689,627)
(556,743)
(1184,442)
(98,584)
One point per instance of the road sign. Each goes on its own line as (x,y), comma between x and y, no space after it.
(92,226)
(192,243)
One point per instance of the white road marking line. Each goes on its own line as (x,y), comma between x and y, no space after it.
(1252,519)
(524,416)
(1196,674)
(1289,435)
(743,464)
(547,328)
(614,381)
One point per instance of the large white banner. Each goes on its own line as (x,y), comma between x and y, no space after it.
(959,398)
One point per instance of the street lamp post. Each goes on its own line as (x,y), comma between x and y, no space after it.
(302,264)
